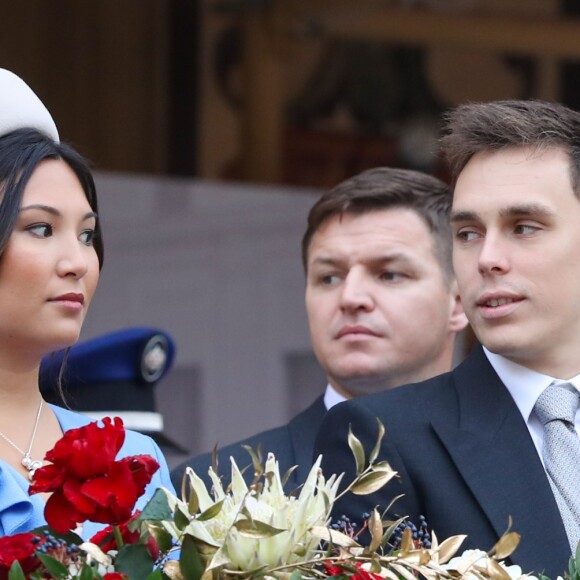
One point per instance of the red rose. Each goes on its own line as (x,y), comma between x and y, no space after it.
(106,540)
(345,568)
(19,547)
(85,480)
(115,576)
(81,454)
(332,569)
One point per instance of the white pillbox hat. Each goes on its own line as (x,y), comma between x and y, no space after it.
(20,108)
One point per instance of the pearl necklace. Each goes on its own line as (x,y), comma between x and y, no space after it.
(31,464)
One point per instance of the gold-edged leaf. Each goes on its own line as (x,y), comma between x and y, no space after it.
(376,530)
(382,466)
(287,475)
(388,573)
(373,481)
(495,571)
(215,464)
(505,545)
(392,503)
(407,542)
(256,530)
(172,570)
(403,571)
(211,512)
(257,458)
(357,450)
(375,452)
(333,536)
(391,526)
(448,548)
(220,558)
(193,502)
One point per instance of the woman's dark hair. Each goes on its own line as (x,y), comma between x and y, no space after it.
(21,152)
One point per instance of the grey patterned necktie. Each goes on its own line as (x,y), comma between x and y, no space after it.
(556,408)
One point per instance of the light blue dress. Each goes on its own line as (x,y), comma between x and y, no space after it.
(20,512)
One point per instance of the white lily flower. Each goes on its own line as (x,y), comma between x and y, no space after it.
(466,563)
(205,500)
(280,527)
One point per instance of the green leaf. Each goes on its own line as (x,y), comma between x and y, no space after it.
(357,450)
(135,561)
(16,572)
(193,502)
(155,575)
(575,562)
(256,530)
(180,519)
(157,509)
(54,567)
(87,573)
(295,575)
(372,482)
(375,452)
(211,512)
(162,537)
(189,561)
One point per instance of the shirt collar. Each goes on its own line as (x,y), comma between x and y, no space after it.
(332,397)
(524,385)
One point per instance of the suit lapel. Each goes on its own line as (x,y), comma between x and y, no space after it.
(492,449)
(303,429)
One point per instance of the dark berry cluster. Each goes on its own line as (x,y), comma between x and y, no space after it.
(420,534)
(344,525)
(58,548)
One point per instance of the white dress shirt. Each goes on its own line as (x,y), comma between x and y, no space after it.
(332,397)
(525,386)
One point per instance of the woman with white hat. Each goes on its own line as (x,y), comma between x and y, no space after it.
(51,253)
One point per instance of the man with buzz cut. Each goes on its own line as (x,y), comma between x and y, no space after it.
(496,438)
(382,304)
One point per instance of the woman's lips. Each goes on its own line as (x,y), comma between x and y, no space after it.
(71,300)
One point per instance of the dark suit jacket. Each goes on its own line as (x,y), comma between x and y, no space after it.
(292,444)
(465,458)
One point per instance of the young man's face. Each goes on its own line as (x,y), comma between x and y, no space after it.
(516,254)
(380,310)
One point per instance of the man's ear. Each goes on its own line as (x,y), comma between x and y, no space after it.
(457,319)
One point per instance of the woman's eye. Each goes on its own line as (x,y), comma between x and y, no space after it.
(40,230)
(87,237)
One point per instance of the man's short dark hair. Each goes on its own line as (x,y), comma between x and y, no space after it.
(478,127)
(386,188)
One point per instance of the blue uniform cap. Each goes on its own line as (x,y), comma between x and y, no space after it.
(113,375)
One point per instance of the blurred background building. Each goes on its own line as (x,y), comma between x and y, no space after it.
(213,125)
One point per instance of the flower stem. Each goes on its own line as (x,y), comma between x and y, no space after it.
(118,537)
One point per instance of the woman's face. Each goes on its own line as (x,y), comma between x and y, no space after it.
(49,270)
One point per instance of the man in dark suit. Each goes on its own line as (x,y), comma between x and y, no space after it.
(469,446)
(377,257)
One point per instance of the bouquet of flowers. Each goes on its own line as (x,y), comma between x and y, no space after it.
(243,531)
